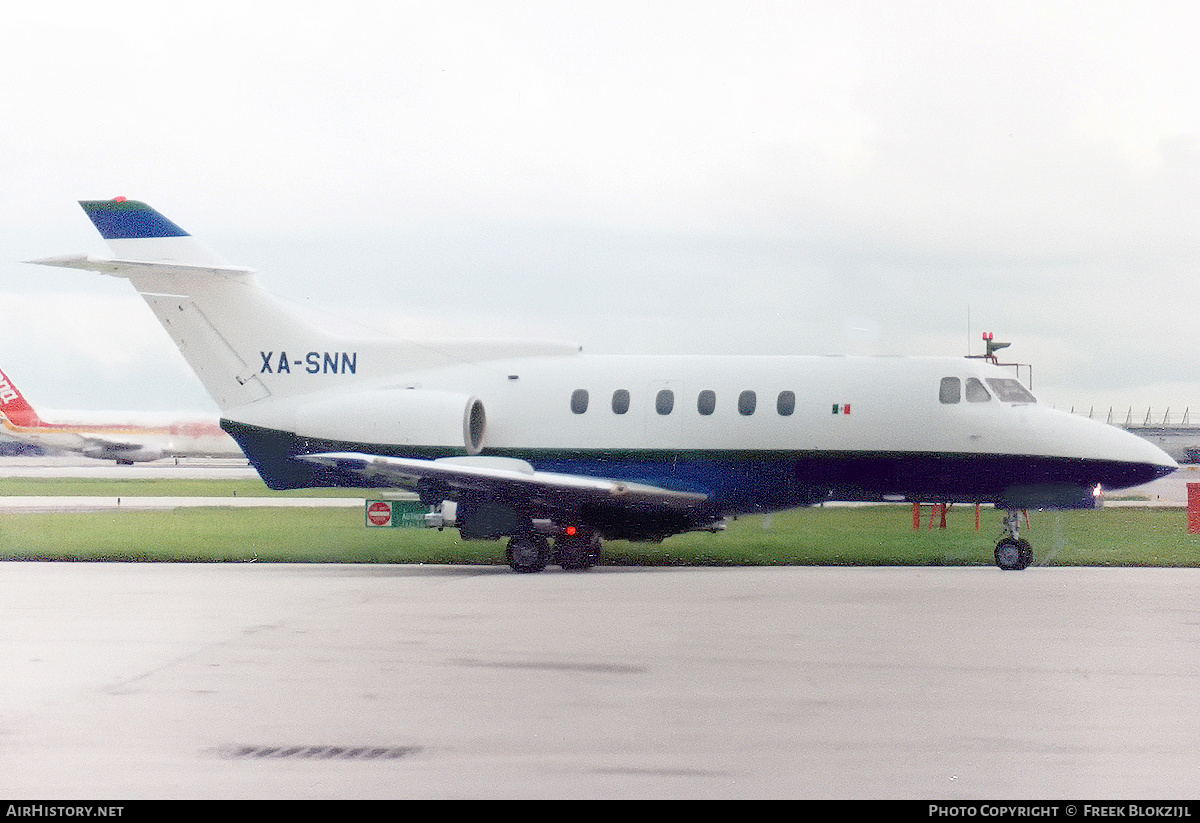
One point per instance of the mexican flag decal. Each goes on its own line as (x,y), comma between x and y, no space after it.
(841,408)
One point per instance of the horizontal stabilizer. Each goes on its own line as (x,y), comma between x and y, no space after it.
(127,268)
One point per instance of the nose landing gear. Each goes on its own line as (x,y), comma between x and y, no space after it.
(1013,552)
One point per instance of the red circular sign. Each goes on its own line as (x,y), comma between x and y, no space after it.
(379,513)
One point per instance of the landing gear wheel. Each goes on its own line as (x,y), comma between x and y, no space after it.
(1026,552)
(528,553)
(1013,555)
(577,552)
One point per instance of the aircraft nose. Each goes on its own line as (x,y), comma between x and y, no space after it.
(1142,462)
(1110,455)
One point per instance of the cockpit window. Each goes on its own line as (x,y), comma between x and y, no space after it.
(1010,390)
(951,390)
(976,393)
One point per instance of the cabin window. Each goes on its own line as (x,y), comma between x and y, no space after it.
(951,390)
(976,393)
(664,402)
(1009,390)
(747,400)
(785,404)
(579,401)
(620,401)
(706,403)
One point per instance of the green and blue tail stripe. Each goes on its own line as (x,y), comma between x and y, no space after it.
(122,219)
(134,231)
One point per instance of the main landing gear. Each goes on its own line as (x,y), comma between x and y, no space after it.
(528,552)
(1013,552)
(575,549)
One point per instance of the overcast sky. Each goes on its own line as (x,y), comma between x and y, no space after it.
(744,177)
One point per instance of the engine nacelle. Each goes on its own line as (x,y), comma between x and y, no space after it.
(398,417)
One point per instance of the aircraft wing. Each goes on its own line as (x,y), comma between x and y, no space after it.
(505,479)
(102,444)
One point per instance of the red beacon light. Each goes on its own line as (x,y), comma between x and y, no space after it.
(992,345)
(118,199)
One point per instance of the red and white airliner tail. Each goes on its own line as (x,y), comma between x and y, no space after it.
(15,407)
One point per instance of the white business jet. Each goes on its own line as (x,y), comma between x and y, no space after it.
(554,449)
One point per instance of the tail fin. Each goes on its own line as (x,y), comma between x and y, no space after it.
(243,344)
(220,319)
(134,231)
(15,407)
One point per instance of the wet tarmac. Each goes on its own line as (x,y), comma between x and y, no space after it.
(126,681)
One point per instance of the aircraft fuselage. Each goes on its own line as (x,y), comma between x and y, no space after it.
(754,433)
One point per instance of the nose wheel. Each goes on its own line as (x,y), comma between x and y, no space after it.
(1013,552)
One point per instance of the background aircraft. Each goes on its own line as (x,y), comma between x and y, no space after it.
(135,438)
(535,441)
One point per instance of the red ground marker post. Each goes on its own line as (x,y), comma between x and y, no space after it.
(1193,508)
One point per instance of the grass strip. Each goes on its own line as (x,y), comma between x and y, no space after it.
(851,536)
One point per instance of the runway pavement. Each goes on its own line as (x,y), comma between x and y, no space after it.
(127,681)
(1166,491)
